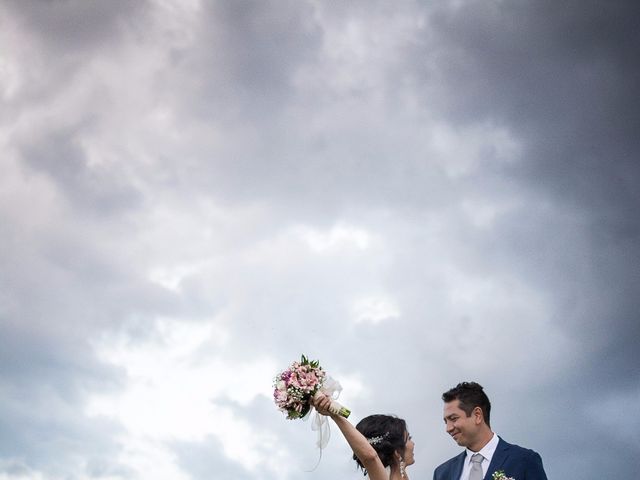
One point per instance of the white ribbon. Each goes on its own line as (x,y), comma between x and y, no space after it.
(332,389)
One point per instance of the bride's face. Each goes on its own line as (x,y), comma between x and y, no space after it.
(408,450)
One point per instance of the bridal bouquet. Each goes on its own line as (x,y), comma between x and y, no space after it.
(294,388)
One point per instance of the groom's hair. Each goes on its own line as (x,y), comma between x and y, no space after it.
(470,395)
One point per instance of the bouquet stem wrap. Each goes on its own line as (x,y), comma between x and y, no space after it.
(332,389)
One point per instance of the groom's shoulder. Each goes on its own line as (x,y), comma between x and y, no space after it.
(519,450)
(448,464)
(528,462)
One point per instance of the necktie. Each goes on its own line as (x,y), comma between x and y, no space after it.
(476,467)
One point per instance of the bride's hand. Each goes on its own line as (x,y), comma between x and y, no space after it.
(321,402)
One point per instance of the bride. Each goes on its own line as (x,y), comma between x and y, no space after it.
(381,444)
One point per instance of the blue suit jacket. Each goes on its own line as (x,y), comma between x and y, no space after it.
(517,462)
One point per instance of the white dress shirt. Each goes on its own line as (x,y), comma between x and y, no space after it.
(487,452)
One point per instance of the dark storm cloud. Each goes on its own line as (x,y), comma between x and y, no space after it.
(247,53)
(61,38)
(59,155)
(298,141)
(316,116)
(543,65)
(69,27)
(564,78)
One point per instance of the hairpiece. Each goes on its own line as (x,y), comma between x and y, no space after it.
(376,440)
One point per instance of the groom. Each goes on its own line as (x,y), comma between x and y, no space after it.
(466,415)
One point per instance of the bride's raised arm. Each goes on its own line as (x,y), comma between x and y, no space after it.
(358,442)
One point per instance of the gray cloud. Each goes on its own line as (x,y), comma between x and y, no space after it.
(561,77)
(71,27)
(414,195)
(241,65)
(99,189)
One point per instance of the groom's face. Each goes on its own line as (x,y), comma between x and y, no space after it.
(462,429)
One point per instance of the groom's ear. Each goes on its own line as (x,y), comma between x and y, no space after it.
(478,416)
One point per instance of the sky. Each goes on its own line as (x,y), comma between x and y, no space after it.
(415,193)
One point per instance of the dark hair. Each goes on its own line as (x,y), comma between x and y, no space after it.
(390,433)
(470,395)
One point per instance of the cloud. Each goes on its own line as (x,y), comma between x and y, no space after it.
(194,194)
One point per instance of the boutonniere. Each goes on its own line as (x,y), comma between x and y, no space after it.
(500,475)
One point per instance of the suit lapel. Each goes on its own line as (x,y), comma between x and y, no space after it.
(498,459)
(456,468)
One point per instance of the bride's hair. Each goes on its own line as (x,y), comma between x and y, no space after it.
(386,434)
